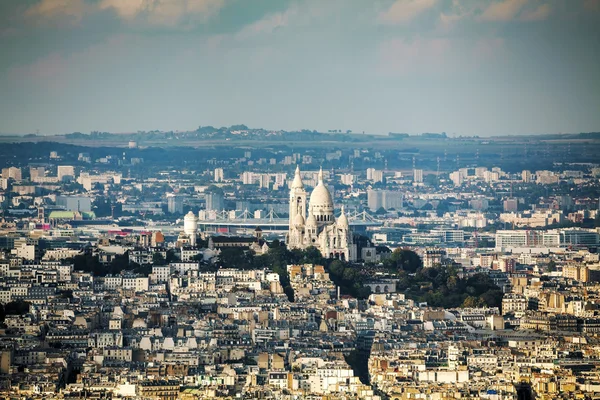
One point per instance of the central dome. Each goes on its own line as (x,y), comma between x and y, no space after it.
(321,204)
(320,196)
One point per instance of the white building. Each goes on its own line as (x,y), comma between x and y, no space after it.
(65,172)
(190,227)
(321,230)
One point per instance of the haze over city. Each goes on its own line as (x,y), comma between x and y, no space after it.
(300,199)
(465,68)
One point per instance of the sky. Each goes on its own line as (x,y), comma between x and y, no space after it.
(465,67)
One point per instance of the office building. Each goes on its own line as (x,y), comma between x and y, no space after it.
(214,202)
(12,172)
(218,174)
(418,175)
(174,204)
(65,173)
(374,175)
(75,203)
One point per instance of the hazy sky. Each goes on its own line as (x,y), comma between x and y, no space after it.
(461,66)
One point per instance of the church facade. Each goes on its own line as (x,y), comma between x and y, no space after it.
(317,225)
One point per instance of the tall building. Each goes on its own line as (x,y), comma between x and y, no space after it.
(457,178)
(248,178)
(75,203)
(348,179)
(374,175)
(214,202)
(511,205)
(384,198)
(12,172)
(174,204)
(218,174)
(374,199)
(418,175)
(36,172)
(320,229)
(526,176)
(66,172)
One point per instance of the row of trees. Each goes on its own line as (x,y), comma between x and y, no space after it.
(439,286)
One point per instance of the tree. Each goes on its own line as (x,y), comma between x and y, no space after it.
(472,302)
(551,267)
(405,260)
(158,259)
(18,307)
(312,255)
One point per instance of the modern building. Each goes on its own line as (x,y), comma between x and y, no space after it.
(218,174)
(215,202)
(75,203)
(174,204)
(384,198)
(374,175)
(12,172)
(418,175)
(65,172)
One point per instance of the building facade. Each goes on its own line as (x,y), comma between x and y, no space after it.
(320,228)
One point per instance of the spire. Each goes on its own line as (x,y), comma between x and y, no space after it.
(297,182)
(342,221)
(320,176)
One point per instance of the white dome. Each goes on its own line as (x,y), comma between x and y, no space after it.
(320,196)
(298,220)
(190,216)
(311,221)
(342,221)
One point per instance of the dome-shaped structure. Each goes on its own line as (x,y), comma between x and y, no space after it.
(321,204)
(297,182)
(342,221)
(311,221)
(298,220)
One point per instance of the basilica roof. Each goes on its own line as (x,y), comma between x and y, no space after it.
(320,197)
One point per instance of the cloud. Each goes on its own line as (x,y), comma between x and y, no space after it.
(505,10)
(126,9)
(268,24)
(540,13)
(156,12)
(52,9)
(403,11)
(163,12)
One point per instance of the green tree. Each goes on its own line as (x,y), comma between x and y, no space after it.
(158,259)
(405,260)
(471,302)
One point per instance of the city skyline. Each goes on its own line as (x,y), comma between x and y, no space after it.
(482,68)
